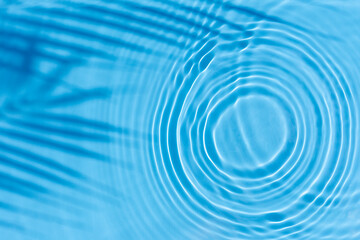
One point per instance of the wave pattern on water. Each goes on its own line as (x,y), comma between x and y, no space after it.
(179,120)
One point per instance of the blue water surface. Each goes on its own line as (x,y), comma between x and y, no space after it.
(188,119)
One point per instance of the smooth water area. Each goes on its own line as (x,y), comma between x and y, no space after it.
(167,119)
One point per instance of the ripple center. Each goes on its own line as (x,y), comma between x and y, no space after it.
(250,132)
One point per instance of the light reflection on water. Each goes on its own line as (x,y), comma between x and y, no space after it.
(179,120)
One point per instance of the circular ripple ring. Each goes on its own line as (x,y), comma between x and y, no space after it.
(215,96)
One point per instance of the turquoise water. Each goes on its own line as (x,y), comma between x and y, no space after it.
(167,119)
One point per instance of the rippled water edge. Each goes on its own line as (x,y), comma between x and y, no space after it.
(179,120)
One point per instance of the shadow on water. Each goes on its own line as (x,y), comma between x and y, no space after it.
(26,115)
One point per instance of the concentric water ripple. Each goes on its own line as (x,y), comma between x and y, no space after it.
(166,119)
(256,135)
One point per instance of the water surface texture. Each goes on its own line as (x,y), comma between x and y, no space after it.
(165,119)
